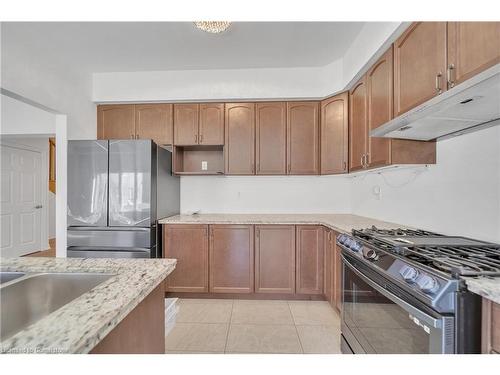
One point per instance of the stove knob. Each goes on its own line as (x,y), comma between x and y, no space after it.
(369,253)
(428,284)
(409,274)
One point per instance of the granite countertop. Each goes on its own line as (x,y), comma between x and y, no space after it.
(487,287)
(344,223)
(80,325)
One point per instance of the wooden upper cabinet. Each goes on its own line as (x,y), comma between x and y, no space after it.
(211,127)
(303,138)
(189,245)
(379,84)
(239,132)
(231,258)
(419,65)
(334,134)
(154,121)
(270,145)
(358,125)
(310,251)
(115,121)
(472,48)
(186,124)
(275,259)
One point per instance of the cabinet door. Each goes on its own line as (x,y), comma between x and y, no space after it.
(275,259)
(379,86)
(337,265)
(211,131)
(357,125)
(309,259)
(115,121)
(270,145)
(231,259)
(472,48)
(334,134)
(154,121)
(329,267)
(419,65)
(189,245)
(186,124)
(239,147)
(303,137)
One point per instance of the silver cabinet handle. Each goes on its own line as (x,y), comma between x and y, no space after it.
(366,160)
(451,75)
(201,138)
(196,138)
(438,83)
(132,136)
(345,165)
(362,160)
(38,206)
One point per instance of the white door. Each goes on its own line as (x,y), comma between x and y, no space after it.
(20,214)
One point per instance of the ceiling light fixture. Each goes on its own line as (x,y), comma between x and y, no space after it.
(213,27)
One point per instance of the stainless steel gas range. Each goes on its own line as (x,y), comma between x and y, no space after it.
(403,291)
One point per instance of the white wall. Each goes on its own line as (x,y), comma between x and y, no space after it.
(49,84)
(459,195)
(18,117)
(265,194)
(228,84)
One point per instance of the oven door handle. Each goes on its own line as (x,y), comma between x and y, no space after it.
(414,312)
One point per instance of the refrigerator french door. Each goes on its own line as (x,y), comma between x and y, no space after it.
(112,197)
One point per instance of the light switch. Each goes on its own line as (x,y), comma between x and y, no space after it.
(204,165)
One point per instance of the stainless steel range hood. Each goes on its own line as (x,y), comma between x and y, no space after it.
(470,105)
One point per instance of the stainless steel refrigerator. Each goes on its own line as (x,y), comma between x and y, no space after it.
(117,190)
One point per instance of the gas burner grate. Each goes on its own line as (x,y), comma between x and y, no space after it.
(401,232)
(457,261)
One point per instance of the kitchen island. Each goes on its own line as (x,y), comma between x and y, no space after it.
(96,320)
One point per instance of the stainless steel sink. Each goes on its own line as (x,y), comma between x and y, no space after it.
(6,276)
(31,298)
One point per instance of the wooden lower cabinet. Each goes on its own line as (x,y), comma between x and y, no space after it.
(231,259)
(140,332)
(309,263)
(490,327)
(275,259)
(337,274)
(329,267)
(333,270)
(189,245)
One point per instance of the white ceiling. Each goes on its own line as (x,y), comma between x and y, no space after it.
(139,46)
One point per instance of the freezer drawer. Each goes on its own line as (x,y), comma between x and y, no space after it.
(107,253)
(109,237)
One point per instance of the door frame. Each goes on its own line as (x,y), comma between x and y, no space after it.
(53,122)
(44,187)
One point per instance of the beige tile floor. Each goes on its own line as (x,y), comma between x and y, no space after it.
(254,326)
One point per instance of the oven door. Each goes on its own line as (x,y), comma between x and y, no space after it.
(376,320)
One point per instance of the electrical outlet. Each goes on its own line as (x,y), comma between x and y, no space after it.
(377,192)
(204,165)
